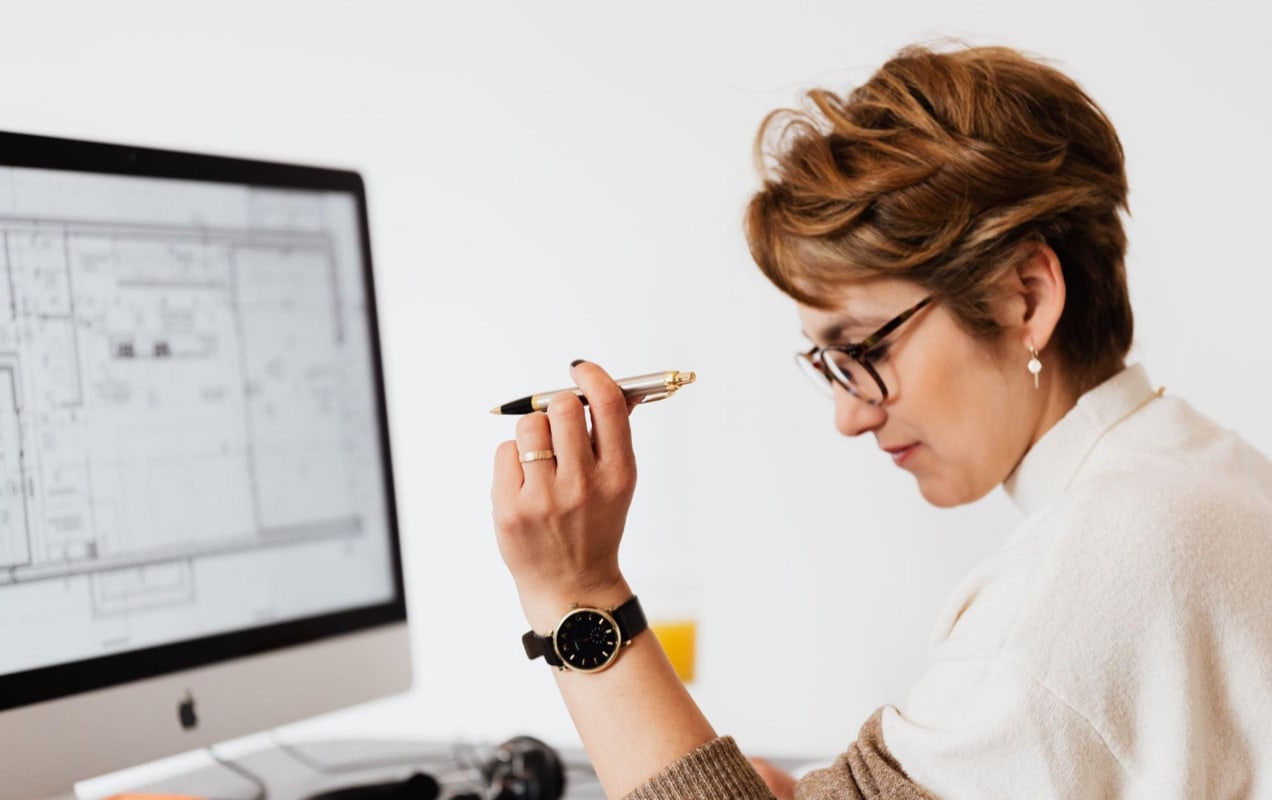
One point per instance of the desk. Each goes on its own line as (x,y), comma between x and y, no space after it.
(293,772)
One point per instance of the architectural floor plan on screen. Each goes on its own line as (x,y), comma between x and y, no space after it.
(188,422)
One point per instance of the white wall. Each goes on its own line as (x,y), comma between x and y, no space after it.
(560,180)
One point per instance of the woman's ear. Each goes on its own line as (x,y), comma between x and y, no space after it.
(1035,295)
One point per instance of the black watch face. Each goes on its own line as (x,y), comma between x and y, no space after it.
(587,640)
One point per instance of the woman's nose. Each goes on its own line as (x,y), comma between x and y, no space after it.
(854,416)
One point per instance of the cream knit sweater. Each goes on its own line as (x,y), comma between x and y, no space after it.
(1118,646)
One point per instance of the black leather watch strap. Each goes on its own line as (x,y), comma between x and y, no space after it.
(630,618)
(537,645)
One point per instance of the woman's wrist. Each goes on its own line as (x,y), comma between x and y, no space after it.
(545,606)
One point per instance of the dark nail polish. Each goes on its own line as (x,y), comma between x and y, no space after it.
(576,362)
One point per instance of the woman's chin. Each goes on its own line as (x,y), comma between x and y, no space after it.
(944,494)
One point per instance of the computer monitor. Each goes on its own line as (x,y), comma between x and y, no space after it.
(197,528)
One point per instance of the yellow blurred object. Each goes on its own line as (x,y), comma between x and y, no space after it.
(677,638)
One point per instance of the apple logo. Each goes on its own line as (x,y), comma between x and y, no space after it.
(185,712)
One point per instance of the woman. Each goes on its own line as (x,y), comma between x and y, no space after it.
(950,232)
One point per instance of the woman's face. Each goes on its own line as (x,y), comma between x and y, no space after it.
(959,415)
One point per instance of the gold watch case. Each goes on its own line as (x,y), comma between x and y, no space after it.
(571,657)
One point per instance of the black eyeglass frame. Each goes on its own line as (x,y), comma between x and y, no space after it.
(857,352)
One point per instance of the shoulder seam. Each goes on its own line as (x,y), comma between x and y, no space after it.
(1035,680)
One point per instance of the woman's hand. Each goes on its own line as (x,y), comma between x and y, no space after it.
(559,521)
(779,782)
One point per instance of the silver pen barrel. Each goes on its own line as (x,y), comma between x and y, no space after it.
(641,388)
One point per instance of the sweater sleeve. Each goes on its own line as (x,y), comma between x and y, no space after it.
(719,771)
(866,772)
(715,771)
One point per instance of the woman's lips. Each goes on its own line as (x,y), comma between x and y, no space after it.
(900,455)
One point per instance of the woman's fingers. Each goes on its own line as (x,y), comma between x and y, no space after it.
(534,442)
(570,440)
(508,476)
(611,430)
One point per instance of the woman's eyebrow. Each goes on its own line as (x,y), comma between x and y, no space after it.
(835,331)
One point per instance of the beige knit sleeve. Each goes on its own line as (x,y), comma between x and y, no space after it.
(715,771)
(718,771)
(866,772)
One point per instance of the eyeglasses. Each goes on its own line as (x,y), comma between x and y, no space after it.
(851,365)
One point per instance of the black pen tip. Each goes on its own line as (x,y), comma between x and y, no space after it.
(523,406)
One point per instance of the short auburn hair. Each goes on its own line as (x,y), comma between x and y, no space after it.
(941,169)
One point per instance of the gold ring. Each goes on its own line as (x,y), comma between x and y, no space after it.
(536,455)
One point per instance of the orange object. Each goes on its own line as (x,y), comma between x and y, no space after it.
(678,640)
(140,796)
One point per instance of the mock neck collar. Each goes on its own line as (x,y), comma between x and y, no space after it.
(1051,464)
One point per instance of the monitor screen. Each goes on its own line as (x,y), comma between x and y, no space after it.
(194,460)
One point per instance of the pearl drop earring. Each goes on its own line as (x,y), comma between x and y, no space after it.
(1034,365)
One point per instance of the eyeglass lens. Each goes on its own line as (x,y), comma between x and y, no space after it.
(842,369)
(854,375)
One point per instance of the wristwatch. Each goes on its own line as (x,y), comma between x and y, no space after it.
(587,639)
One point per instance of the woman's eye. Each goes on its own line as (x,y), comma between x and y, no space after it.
(876,354)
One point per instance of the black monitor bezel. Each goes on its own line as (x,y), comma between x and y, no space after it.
(63,680)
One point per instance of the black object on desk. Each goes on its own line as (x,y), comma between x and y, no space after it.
(420,786)
(522,768)
(525,768)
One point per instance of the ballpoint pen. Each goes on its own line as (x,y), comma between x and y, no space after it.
(641,389)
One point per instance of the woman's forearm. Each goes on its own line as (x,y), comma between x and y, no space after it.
(634,718)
